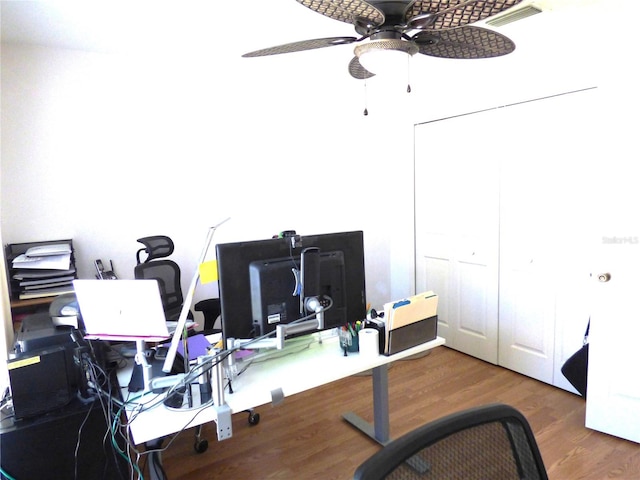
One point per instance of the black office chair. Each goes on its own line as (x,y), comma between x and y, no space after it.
(211,310)
(491,442)
(167,272)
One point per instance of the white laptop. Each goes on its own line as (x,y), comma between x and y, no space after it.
(123,310)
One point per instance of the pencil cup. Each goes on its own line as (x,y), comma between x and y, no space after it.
(348,341)
(355,344)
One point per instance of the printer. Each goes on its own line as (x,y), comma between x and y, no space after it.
(44,371)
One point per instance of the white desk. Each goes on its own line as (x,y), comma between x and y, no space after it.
(305,363)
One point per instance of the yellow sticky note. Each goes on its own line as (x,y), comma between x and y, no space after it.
(208,271)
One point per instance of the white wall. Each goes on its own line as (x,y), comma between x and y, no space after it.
(172,137)
(107,148)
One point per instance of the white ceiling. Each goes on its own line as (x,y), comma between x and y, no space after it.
(555,46)
(98,25)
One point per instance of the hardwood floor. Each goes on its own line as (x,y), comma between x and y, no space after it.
(305,437)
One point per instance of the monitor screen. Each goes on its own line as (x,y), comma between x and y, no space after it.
(261,282)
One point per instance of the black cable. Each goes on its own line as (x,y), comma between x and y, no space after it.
(75,452)
(100,383)
(106,404)
(6,396)
(118,430)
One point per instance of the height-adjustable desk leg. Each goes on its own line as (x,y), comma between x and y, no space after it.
(223,411)
(379,430)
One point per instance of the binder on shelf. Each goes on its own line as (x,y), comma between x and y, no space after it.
(410,322)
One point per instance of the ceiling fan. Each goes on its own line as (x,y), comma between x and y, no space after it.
(438,28)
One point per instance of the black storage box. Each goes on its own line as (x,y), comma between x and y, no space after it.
(412,334)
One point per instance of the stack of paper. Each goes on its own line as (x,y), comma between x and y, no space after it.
(44,271)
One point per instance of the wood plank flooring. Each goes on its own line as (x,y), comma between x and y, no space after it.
(306,438)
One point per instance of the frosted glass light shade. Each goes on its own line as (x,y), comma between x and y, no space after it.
(386,55)
(383,62)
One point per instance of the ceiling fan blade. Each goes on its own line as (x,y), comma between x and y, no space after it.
(357,71)
(349,11)
(464,43)
(446,14)
(301,46)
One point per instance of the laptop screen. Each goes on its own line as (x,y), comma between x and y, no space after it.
(121,309)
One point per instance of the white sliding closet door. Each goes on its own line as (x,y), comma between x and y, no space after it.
(500,224)
(457,228)
(546,187)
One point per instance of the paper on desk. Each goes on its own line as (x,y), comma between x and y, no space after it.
(47,262)
(26,274)
(196,345)
(46,250)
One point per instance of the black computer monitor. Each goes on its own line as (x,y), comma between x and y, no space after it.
(261,281)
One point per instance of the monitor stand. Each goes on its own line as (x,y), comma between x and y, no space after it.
(141,375)
(153,365)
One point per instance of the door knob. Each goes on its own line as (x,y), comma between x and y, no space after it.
(604,277)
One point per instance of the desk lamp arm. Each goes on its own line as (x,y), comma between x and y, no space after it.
(182,320)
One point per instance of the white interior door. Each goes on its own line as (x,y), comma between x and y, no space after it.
(613,393)
(457,231)
(613,396)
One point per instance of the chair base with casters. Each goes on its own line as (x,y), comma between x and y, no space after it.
(488,442)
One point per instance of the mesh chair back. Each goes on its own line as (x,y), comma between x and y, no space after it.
(157,246)
(492,442)
(167,273)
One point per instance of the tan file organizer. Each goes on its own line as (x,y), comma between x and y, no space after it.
(410,322)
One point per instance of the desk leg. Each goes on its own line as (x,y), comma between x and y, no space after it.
(154,461)
(379,431)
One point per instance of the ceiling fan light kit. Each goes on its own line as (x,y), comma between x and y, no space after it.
(389,55)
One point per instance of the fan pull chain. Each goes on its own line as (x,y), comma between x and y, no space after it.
(408,73)
(366,111)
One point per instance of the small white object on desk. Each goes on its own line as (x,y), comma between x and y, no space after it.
(368,342)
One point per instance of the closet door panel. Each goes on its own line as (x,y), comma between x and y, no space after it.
(434,275)
(476,325)
(544,220)
(457,222)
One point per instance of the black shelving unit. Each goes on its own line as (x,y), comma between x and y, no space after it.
(24,288)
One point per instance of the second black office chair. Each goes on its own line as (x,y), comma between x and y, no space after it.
(491,442)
